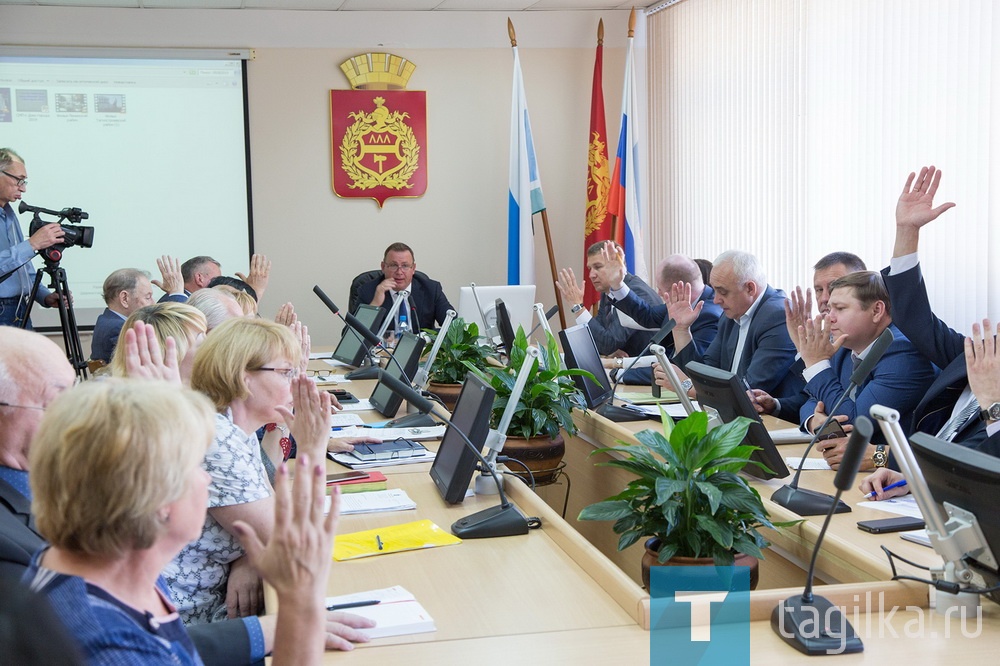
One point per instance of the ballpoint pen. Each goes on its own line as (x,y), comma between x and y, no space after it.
(898,484)
(378,540)
(354,604)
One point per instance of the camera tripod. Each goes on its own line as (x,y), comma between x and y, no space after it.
(67,317)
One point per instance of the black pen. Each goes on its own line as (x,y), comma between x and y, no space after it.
(378,540)
(354,604)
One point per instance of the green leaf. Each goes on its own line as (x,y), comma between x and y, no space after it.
(713,494)
(607,510)
(666,488)
(667,550)
(722,534)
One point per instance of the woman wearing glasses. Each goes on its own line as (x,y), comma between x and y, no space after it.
(246,368)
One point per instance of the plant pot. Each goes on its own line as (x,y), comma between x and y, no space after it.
(542,456)
(447,392)
(649,559)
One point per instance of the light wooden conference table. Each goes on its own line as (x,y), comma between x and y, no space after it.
(554,595)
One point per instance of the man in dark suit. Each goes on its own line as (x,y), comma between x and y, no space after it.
(425,307)
(679,269)
(610,335)
(752,340)
(832,346)
(125,291)
(33,372)
(798,310)
(955,407)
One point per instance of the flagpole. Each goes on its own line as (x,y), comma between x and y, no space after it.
(545,217)
(631,34)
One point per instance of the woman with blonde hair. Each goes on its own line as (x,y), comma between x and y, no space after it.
(185,324)
(118,490)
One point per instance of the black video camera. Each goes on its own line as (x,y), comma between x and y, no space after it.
(75,233)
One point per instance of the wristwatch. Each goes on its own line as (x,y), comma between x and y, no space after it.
(991,413)
(687,384)
(576,308)
(880,458)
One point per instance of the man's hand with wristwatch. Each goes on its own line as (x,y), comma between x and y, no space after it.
(982,362)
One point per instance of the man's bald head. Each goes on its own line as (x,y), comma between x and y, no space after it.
(678,268)
(33,371)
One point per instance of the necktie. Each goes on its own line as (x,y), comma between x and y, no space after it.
(855,362)
(952,427)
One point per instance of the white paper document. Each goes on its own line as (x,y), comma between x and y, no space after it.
(811,463)
(901,506)
(383,434)
(348,460)
(342,420)
(398,613)
(330,379)
(375,501)
(361,405)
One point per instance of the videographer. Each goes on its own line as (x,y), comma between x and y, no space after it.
(16,253)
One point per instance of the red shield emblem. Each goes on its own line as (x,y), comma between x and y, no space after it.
(379,143)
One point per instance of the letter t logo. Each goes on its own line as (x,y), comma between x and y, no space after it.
(701,607)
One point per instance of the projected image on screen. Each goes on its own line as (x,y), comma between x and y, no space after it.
(5,114)
(154,150)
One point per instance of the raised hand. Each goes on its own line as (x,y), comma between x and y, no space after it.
(814,341)
(571,290)
(614,263)
(143,358)
(170,270)
(915,208)
(798,310)
(982,361)
(260,272)
(310,424)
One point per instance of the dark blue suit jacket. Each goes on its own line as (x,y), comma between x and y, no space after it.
(219,643)
(426,300)
(106,331)
(607,329)
(703,331)
(945,348)
(768,354)
(899,381)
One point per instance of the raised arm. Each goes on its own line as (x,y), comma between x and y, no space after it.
(915,208)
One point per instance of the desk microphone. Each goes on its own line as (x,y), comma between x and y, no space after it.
(360,331)
(497,521)
(809,502)
(620,414)
(811,624)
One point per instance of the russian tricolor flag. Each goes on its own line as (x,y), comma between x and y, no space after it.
(525,188)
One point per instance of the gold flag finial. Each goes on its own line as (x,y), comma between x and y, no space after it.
(510,32)
(600,32)
(631,23)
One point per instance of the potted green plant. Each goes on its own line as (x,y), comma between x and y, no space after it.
(461,345)
(688,498)
(544,410)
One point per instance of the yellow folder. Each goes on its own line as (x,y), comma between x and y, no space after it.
(393,539)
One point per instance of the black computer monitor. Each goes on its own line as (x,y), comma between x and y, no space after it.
(581,353)
(969,480)
(724,391)
(351,349)
(407,352)
(504,326)
(455,463)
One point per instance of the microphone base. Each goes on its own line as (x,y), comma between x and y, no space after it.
(807,502)
(497,521)
(371,372)
(814,627)
(620,414)
(413,421)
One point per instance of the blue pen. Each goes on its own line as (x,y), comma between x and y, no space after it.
(898,484)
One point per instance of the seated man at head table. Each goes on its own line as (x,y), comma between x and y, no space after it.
(425,307)
(612,336)
(678,269)
(34,371)
(798,310)
(832,347)
(752,340)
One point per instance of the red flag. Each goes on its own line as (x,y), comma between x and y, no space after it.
(598,220)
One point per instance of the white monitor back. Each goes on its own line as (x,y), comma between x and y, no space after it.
(519,300)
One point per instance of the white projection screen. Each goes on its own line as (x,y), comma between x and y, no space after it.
(153,145)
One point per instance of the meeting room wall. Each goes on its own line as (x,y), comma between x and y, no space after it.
(463,59)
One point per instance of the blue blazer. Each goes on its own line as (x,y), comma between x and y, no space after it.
(426,300)
(899,381)
(768,354)
(703,331)
(607,329)
(945,348)
(106,331)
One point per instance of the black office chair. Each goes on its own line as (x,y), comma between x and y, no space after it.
(358,282)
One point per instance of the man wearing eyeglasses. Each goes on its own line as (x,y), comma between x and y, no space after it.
(425,307)
(17,275)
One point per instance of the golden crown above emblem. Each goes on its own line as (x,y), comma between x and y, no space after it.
(378,71)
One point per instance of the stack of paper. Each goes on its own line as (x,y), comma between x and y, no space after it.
(398,613)
(376,501)
(416,535)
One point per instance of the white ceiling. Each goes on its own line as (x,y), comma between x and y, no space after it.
(352,5)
